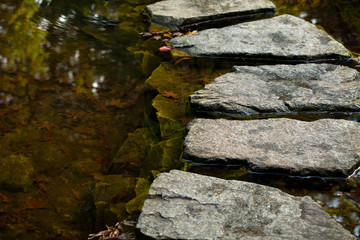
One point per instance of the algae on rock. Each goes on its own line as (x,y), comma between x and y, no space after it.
(16,172)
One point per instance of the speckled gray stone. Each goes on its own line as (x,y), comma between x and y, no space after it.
(187,13)
(281,89)
(326,147)
(282,38)
(183,205)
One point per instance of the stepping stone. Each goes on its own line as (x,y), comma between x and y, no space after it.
(189,13)
(282,38)
(182,205)
(281,89)
(326,147)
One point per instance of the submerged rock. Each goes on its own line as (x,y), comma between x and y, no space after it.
(282,38)
(325,147)
(280,89)
(16,172)
(188,13)
(183,205)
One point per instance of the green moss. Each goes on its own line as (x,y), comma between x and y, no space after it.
(149,63)
(167,154)
(85,166)
(113,188)
(135,205)
(167,78)
(142,187)
(133,152)
(16,171)
(345,209)
(169,115)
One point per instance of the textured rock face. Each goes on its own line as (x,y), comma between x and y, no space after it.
(280,89)
(326,147)
(183,205)
(280,38)
(185,13)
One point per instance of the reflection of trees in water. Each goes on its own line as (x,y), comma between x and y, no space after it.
(69,94)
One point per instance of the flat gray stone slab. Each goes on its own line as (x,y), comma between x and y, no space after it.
(282,38)
(182,205)
(187,13)
(281,89)
(326,147)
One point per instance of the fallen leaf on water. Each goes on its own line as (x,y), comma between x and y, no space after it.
(165,48)
(117,103)
(46,137)
(4,198)
(171,94)
(76,195)
(46,125)
(188,33)
(186,120)
(36,203)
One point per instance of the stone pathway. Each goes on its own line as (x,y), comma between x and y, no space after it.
(282,38)
(183,205)
(189,13)
(281,89)
(327,147)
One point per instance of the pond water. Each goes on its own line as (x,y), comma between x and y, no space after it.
(80,141)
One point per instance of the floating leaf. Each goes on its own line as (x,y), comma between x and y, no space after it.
(76,195)
(165,48)
(36,203)
(4,198)
(171,94)
(46,125)
(117,103)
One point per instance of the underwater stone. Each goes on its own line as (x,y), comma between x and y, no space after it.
(282,38)
(281,89)
(188,13)
(16,172)
(183,205)
(326,147)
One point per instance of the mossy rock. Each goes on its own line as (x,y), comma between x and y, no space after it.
(148,61)
(167,78)
(132,152)
(114,188)
(345,209)
(166,154)
(134,206)
(141,189)
(169,115)
(85,166)
(16,172)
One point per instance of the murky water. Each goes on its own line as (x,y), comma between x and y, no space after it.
(79,140)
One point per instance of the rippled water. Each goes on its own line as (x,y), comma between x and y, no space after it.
(71,90)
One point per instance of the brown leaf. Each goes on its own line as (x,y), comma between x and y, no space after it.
(46,137)
(117,103)
(36,203)
(76,195)
(186,120)
(46,125)
(171,94)
(4,198)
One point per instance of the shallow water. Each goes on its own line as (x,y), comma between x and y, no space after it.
(72,89)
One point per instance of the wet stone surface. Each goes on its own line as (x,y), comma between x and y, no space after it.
(188,13)
(281,89)
(325,147)
(183,205)
(282,38)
